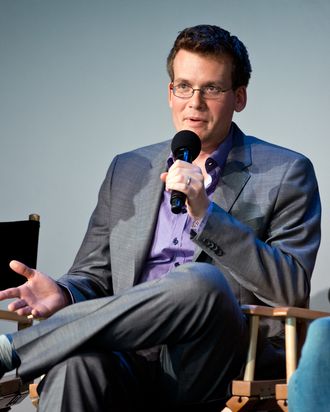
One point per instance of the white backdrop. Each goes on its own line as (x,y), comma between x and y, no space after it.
(81,81)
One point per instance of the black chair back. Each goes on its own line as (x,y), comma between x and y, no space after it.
(18,241)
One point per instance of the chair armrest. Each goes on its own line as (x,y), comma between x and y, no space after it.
(283,312)
(22,321)
(291,314)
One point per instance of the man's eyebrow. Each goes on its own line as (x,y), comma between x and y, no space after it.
(181,80)
(216,83)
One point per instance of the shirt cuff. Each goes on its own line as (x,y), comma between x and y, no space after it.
(69,293)
(199,224)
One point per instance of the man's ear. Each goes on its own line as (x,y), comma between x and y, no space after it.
(240,98)
(169,95)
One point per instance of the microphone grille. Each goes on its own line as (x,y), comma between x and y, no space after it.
(186,139)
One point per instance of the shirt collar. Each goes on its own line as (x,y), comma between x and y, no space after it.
(219,156)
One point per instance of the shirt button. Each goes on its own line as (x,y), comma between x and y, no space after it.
(175,241)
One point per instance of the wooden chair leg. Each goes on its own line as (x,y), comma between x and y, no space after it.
(251,357)
(241,403)
(290,346)
(34,396)
(283,404)
(282,396)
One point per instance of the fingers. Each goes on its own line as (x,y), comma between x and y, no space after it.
(188,179)
(37,314)
(10,293)
(22,308)
(21,269)
(26,311)
(163,177)
(184,177)
(18,304)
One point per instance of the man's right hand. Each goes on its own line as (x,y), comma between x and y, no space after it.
(39,296)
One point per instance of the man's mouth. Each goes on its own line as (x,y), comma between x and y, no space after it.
(195,119)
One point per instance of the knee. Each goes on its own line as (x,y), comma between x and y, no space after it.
(199,281)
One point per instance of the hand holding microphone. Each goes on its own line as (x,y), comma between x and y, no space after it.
(185,146)
(186,179)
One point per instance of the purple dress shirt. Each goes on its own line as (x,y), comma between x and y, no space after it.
(172,245)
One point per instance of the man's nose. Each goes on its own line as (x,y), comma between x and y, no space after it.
(197,100)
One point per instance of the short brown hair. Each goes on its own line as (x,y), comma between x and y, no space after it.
(213,41)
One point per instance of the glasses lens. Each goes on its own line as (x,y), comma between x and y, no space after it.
(183,90)
(211,92)
(208,92)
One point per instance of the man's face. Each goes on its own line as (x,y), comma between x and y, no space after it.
(209,119)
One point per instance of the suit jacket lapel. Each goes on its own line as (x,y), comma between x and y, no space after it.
(234,176)
(141,228)
(148,203)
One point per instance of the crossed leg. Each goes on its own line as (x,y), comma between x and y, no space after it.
(191,312)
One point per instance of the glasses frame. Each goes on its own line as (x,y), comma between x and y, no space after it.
(201,90)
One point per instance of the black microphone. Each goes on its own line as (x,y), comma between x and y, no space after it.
(186,146)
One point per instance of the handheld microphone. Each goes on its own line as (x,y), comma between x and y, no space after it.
(186,146)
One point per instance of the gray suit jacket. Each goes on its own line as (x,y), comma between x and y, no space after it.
(263,232)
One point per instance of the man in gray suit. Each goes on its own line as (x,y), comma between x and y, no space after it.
(149,314)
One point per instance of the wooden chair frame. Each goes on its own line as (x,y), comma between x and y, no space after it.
(248,394)
(12,389)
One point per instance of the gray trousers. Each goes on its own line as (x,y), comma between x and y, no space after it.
(89,349)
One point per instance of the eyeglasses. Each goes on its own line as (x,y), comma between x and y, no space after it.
(184,91)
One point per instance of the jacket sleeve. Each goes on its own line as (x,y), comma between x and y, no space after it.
(273,255)
(90,275)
